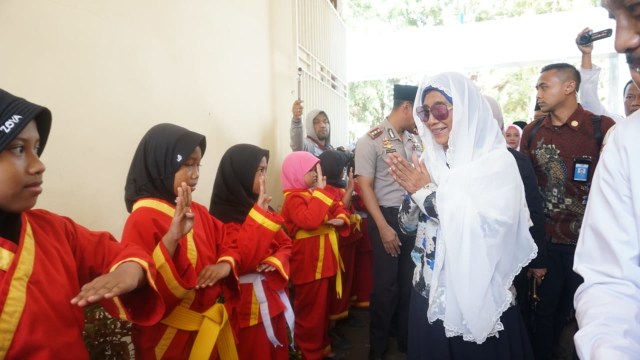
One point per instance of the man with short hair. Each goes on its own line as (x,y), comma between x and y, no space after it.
(589,98)
(382,196)
(608,302)
(561,143)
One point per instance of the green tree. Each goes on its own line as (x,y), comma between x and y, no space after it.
(369,100)
(419,13)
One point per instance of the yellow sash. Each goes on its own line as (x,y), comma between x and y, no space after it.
(213,328)
(330,231)
(211,325)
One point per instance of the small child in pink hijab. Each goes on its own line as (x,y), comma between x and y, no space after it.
(311,221)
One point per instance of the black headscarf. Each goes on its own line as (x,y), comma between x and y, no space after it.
(15,115)
(332,163)
(159,156)
(233,196)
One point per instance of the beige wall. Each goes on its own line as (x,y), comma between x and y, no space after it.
(109,70)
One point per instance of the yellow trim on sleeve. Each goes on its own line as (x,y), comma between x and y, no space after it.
(278,264)
(264,221)
(325,199)
(122,313)
(344,217)
(228,259)
(17,294)
(6,257)
(192,252)
(165,271)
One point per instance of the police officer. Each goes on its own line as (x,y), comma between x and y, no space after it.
(392,264)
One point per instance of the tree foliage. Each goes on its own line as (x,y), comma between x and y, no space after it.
(419,13)
(370,101)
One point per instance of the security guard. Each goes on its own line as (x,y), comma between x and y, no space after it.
(392,264)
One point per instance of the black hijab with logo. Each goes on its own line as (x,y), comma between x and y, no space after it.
(159,156)
(15,114)
(233,196)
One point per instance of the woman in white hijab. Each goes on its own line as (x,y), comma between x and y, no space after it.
(466,201)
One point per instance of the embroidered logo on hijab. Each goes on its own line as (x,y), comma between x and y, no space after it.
(9,124)
(179,158)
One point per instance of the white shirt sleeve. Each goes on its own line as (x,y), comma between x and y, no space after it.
(589,98)
(608,253)
(420,195)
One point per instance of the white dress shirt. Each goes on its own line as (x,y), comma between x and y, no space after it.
(589,98)
(608,252)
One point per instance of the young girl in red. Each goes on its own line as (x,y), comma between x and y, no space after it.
(50,266)
(195,319)
(193,270)
(315,258)
(264,309)
(333,165)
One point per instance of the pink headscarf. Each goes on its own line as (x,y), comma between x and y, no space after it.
(518,129)
(294,168)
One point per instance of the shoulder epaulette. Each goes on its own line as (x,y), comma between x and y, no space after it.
(375,132)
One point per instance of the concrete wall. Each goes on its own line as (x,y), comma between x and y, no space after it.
(109,70)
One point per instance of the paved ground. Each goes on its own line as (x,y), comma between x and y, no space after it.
(359,338)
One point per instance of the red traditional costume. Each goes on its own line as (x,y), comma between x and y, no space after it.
(349,236)
(40,275)
(314,261)
(263,295)
(264,309)
(194,319)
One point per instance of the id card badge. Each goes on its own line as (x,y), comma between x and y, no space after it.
(581,168)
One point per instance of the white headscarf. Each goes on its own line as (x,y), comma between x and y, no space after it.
(484,238)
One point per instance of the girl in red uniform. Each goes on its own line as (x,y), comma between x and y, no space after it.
(333,167)
(264,309)
(315,259)
(50,266)
(193,272)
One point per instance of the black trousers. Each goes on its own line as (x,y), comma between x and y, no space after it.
(556,299)
(389,304)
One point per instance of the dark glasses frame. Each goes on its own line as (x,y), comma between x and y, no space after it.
(439,110)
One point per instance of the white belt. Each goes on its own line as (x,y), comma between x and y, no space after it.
(256,280)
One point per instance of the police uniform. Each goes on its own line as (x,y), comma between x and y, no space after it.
(391,275)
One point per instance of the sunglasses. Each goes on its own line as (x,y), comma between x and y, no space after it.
(439,110)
